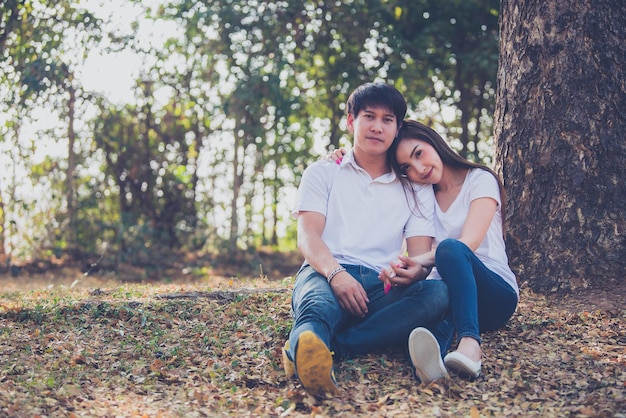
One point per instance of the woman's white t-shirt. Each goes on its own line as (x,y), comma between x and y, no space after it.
(449,224)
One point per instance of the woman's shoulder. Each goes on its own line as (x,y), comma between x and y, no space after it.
(482,183)
(479,175)
(478,172)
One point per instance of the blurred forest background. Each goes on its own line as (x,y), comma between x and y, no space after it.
(230,101)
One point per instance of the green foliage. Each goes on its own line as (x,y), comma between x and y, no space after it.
(452,49)
(33,40)
(254,93)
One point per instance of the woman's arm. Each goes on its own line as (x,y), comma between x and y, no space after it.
(407,268)
(476,225)
(337,155)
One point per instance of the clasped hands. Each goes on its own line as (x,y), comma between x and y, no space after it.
(353,298)
(402,272)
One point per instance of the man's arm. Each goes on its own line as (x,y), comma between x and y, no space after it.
(348,291)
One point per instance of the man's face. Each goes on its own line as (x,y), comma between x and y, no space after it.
(374,130)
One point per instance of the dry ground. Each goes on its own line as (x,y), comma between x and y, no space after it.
(75,345)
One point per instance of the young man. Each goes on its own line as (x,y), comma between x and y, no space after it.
(352,220)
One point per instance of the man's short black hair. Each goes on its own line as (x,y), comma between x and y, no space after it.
(376,95)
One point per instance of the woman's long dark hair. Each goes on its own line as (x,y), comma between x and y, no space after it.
(415,130)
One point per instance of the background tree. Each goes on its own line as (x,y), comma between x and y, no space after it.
(560,126)
(446,52)
(331,56)
(227,113)
(40,44)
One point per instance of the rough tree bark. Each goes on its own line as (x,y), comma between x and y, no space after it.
(560,126)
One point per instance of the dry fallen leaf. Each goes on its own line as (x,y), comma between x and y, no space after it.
(222,357)
(474,412)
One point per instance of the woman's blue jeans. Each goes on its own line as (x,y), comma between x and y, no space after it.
(389,321)
(480,300)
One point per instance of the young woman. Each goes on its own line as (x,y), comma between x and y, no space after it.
(468,253)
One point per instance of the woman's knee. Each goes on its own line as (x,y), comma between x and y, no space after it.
(450,249)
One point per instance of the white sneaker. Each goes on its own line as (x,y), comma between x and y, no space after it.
(425,356)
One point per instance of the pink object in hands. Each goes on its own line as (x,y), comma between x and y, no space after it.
(387,287)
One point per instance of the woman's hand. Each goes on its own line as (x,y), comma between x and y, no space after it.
(336,155)
(402,272)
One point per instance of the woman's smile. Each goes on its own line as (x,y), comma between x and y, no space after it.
(427,175)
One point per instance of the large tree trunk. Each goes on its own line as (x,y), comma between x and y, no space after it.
(560,126)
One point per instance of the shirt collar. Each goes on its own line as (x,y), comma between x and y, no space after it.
(349,159)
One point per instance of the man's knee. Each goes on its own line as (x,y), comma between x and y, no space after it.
(440,294)
(434,293)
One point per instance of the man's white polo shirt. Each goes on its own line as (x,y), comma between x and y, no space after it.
(367,219)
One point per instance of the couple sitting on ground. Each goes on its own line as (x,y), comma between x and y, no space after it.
(400,184)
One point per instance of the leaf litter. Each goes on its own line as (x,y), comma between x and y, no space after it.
(196,351)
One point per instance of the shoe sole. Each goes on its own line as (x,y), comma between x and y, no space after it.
(461,368)
(314,365)
(425,356)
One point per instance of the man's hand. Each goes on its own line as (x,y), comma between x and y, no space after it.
(350,294)
(402,272)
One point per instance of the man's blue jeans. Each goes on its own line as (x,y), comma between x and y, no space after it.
(389,321)
(480,300)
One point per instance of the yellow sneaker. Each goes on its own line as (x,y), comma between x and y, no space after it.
(314,363)
(290,368)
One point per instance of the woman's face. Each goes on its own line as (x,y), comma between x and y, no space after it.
(419,161)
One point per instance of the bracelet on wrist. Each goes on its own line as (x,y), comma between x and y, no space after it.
(334,273)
